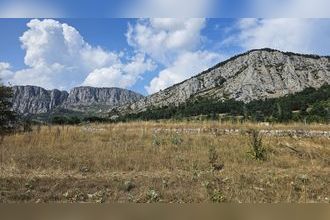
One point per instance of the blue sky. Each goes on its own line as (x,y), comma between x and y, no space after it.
(165,8)
(144,55)
(101,44)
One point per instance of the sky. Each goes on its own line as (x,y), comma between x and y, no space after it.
(105,47)
(165,8)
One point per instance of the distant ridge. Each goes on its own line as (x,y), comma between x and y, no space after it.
(36,100)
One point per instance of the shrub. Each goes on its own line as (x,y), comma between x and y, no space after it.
(59,120)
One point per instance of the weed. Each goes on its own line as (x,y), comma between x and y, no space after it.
(214,194)
(257,151)
(176,139)
(214,162)
(155,140)
(152,196)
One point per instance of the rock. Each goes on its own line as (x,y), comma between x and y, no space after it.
(106,98)
(36,100)
(257,74)
(31,100)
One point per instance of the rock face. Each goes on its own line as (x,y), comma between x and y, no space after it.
(36,100)
(257,74)
(81,98)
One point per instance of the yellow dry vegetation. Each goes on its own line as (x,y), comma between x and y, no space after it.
(158,162)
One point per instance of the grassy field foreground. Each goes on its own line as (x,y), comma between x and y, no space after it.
(140,162)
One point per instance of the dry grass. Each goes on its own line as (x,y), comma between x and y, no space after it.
(129,162)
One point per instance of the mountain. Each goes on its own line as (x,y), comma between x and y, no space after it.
(255,75)
(36,100)
(99,99)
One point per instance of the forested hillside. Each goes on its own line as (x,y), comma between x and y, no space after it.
(310,105)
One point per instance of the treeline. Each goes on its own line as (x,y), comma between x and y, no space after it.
(310,105)
(75,120)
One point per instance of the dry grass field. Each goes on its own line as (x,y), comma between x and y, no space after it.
(158,162)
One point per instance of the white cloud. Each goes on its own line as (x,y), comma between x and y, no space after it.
(176,44)
(296,35)
(5,71)
(169,8)
(57,56)
(119,74)
(164,38)
(4,66)
(186,65)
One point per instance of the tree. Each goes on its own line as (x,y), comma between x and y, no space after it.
(8,117)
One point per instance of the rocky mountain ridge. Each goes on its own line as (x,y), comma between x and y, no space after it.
(36,100)
(256,74)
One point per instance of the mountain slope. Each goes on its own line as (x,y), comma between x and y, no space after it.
(36,100)
(257,74)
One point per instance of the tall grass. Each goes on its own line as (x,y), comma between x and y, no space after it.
(95,163)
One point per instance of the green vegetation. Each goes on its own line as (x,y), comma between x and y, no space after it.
(258,152)
(310,105)
(8,118)
(75,120)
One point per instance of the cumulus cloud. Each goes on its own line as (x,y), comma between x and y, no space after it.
(296,35)
(57,56)
(164,38)
(175,43)
(185,66)
(120,74)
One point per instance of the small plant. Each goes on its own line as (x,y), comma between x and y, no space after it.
(257,151)
(216,165)
(155,140)
(213,192)
(216,196)
(176,139)
(153,196)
